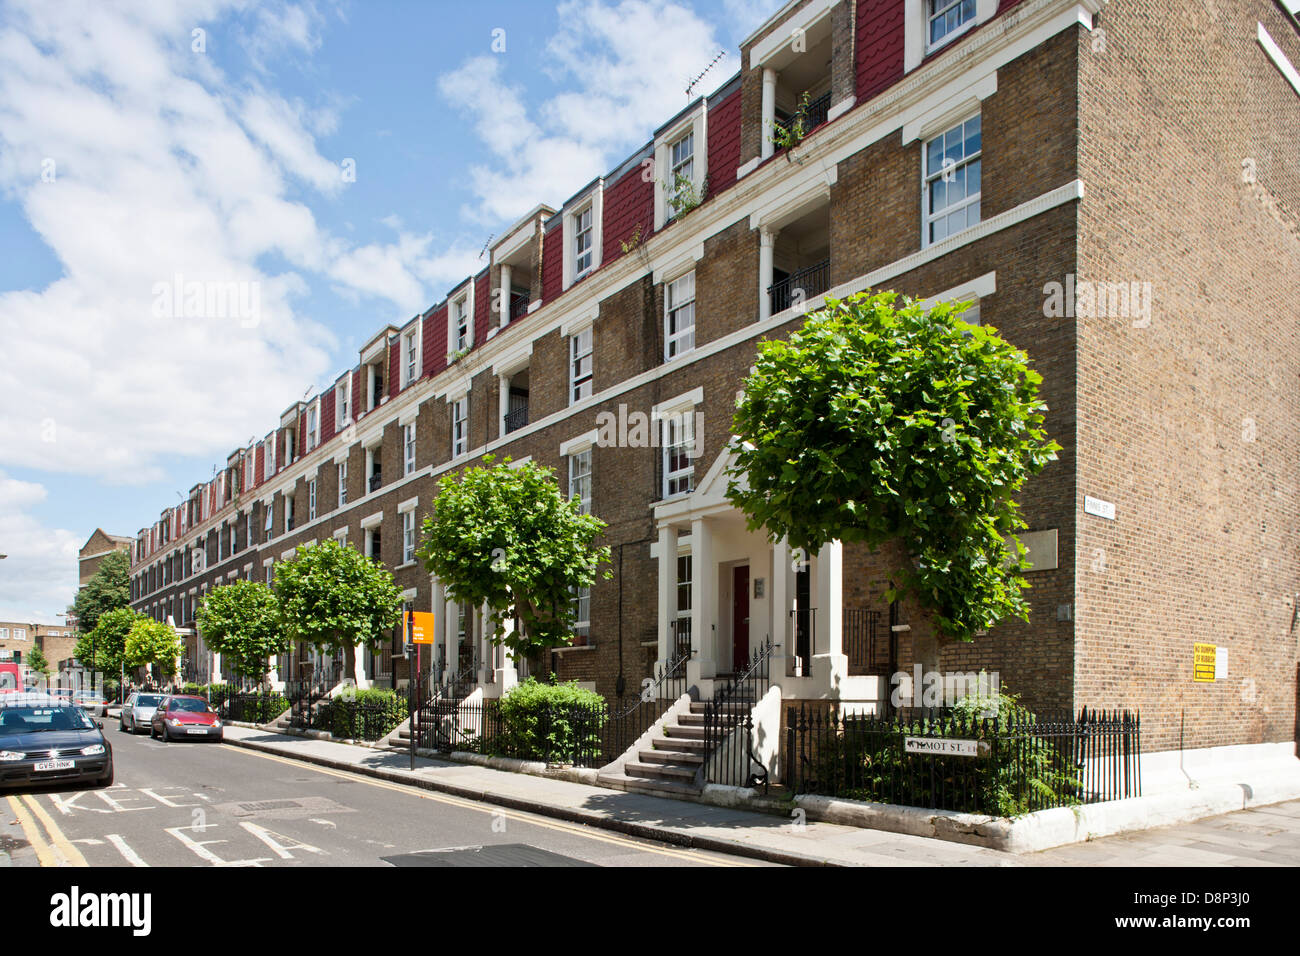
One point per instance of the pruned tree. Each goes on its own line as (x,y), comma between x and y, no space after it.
(151,642)
(879,422)
(241,621)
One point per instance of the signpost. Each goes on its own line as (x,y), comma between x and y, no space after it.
(946,747)
(418,632)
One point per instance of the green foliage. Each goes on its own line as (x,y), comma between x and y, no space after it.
(108,589)
(152,642)
(241,621)
(507,538)
(878,424)
(336,598)
(258,708)
(362,714)
(682,196)
(36,661)
(550,721)
(103,648)
(789,135)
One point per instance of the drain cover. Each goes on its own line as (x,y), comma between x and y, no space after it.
(504,854)
(269,805)
(283,809)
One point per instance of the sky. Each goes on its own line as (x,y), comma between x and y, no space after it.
(338,166)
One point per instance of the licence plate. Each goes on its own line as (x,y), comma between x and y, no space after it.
(55,765)
(197,730)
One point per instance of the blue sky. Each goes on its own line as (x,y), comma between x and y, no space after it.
(134,149)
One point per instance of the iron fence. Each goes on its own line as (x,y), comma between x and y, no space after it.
(865,643)
(729,726)
(1006,765)
(257,707)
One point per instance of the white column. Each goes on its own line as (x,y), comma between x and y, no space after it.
(769,111)
(766,239)
(781,604)
(829,665)
(216,667)
(704,588)
(504,317)
(439,608)
(359,655)
(667,590)
(503,396)
(450,638)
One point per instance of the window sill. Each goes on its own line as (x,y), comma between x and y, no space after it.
(404,564)
(575,647)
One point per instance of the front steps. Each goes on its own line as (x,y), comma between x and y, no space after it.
(673,765)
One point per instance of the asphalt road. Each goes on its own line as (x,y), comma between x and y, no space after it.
(206,804)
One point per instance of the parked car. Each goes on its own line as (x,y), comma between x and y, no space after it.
(181,717)
(138,711)
(92,702)
(11,679)
(46,740)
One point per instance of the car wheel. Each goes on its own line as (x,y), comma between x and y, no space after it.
(121,726)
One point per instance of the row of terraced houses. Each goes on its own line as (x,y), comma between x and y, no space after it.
(1114,186)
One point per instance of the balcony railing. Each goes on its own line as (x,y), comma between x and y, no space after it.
(800,286)
(516,418)
(518,307)
(376,481)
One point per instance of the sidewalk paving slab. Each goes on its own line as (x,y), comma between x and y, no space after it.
(701,826)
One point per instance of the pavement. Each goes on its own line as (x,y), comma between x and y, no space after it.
(744,833)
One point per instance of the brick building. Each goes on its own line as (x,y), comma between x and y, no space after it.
(1116,188)
(18,639)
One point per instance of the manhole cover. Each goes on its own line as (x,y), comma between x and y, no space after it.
(505,854)
(285,809)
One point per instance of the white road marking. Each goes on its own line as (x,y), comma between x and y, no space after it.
(272,839)
(128,854)
(325,823)
(115,806)
(165,801)
(66,805)
(89,841)
(200,847)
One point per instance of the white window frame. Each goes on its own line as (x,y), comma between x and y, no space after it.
(593,202)
(581,621)
(580,382)
(580,479)
(411,356)
(313,426)
(694,125)
(343,482)
(584,227)
(268,460)
(408,449)
(674,341)
(940,8)
(408,535)
(916,29)
(460,307)
(676,421)
(460,425)
(288,513)
(311,499)
(343,403)
(250,470)
(930,177)
(369,541)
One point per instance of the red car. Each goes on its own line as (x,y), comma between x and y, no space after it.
(11,678)
(180,718)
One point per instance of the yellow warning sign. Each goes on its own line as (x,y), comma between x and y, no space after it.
(419,629)
(1203,656)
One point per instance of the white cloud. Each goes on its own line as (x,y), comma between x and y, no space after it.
(39,577)
(625,67)
(161,171)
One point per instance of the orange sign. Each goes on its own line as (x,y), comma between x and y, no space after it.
(419,627)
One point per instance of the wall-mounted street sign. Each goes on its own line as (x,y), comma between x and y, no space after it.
(1204,657)
(1102,509)
(419,627)
(945,747)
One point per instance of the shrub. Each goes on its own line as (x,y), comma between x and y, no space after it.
(552,722)
(362,714)
(257,709)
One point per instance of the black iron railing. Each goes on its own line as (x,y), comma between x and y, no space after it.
(516,418)
(800,286)
(376,481)
(805,626)
(1006,765)
(257,707)
(729,725)
(865,642)
(518,307)
(633,716)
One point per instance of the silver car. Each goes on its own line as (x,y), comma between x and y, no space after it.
(137,712)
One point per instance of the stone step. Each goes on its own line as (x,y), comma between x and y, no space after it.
(651,771)
(685,732)
(677,744)
(670,757)
(657,788)
(729,707)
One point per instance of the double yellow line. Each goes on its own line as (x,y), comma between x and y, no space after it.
(52,847)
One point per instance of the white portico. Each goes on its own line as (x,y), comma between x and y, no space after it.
(724,590)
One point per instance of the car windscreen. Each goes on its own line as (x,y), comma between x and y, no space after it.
(35,720)
(190,706)
(148,700)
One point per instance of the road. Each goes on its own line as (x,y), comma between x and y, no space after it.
(207,804)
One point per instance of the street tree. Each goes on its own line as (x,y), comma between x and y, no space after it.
(37,662)
(882,422)
(109,588)
(241,621)
(103,649)
(151,642)
(336,599)
(505,537)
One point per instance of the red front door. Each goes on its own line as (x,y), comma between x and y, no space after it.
(740,618)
